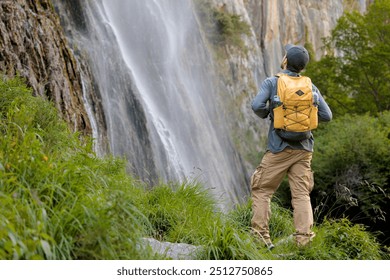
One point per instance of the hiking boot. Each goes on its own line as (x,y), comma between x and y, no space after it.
(260,237)
(304,239)
(270,246)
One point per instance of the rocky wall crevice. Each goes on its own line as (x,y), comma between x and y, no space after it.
(33,46)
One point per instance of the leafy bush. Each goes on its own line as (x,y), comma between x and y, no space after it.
(352,169)
(345,240)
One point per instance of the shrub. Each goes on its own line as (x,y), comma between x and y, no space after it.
(221,27)
(230,28)
(352,169)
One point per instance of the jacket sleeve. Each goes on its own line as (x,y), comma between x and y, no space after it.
(324,112)
(259,103)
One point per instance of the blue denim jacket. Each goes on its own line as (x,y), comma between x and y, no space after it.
(261,106)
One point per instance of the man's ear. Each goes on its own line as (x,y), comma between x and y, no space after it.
(283,65)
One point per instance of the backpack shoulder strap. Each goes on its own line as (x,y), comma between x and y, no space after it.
(285,74)
(280,74)
(280,85)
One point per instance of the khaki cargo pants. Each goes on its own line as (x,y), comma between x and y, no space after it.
(266,180)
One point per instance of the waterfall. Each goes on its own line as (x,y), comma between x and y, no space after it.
(155,77)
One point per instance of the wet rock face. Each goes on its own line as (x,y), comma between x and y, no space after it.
(174,251)
(32,45)
(296,22)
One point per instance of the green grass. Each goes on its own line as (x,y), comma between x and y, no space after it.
(335,240)
(58,200)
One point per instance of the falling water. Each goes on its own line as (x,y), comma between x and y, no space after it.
(155,78)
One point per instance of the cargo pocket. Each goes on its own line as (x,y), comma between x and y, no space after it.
(310,177)
(256,177)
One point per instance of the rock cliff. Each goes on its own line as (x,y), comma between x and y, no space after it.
(33,46)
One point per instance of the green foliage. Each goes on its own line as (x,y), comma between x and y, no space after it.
(335,240)
(352,168)
(186,213)
(230,237)
(280,224)
(329,79)
(222,28)
(230,28)
(346,241)
(174,211)
(223,241)
(357,78)
(57,200)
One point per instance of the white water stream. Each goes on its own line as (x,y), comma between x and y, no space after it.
(169,69)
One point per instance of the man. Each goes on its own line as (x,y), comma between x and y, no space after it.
(291,157)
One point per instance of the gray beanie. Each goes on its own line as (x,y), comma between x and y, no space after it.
(297,57)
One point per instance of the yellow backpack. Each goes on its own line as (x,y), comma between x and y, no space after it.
(295,110)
